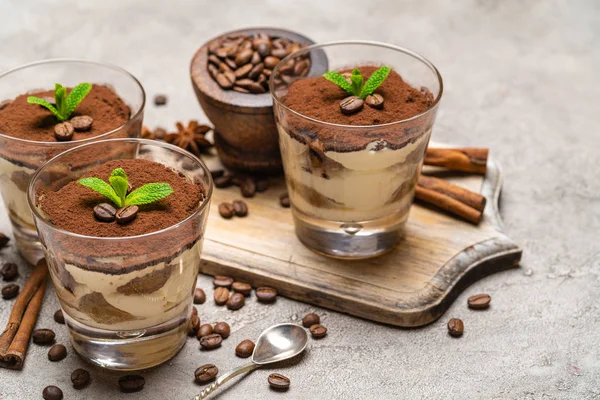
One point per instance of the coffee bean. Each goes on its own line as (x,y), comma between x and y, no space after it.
(222,52)
(80,378)
(256,59)
(351,105)
(479,301)
(284,200)
(226,210)
(243,71)
(43,336)
(126,214)
(206,373)
(81,123)
(131,383)
(264,49)
(248,187)
(455,327)
(262,184)
(240,90)
(63,131)
(267,72)
(223,181)
(217,173)
(271,62)
(375,100)
(221,295)
(194,311)
(3,240)
(256,70)
(199,296)
(9,271)
(213,71)
(52,393)
(242,287)
(204,330)
(318,331)
(310,320)
(222,281)
(193,325)
(105,212)
(243,57)
(279,53)
(240,208)
(236,301)
(59,317)
(211,341)
(224,81)
(10,291)
(214,60)
(244,349)
(223,329)
(57,352)
(245,83)
(257,88)
(301,68)
(266,294)
(279,382)
(231,64)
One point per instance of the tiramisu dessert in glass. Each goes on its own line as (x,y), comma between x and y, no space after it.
(123,238)
(353,142)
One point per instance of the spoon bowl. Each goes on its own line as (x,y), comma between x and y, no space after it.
(278,343)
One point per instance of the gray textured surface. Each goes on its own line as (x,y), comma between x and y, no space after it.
(521,78)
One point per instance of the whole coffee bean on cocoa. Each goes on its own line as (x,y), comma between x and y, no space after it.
(9,271)
(278,381)
(63,131)
(131,383)
(43,336)
(57,352)
(52,393)
(310,320)
(351,105)
(10,291)
(284,200)
(80,378)
(160,100)
(199,296)
(236,301)
(193,325)
(206,373)
(211,341)
(318,331)
(479,301)
(226,210)
(126,214)
(374,100)
(223,181)
(222,281)
(266,294)
(105,212)
(223,329)
(455,327)
(82,123)
(242,287)
(3,240)
(221,295)
(240,208)
(244,349)
(59,317)
(205,330)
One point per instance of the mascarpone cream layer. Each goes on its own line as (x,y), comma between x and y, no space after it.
(14,198)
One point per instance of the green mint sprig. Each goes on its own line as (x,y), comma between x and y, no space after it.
(358,86)
(116,189)
(65,105)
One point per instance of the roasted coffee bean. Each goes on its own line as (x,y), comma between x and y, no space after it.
(205,330)
(236,301)
(214,60)
(43,336)
(374,100)
(243,71)
(105,212)
(244,349)
(230,76)
(80,378)
(57,352)
(213,71)
(193,325)
(126,214)
(256,59)
(223,329)
(131,383)
(262,185)
(221,295)
(310,320)
(211,341)
(231,64)
(455,327)
(318,331)
(257,88)
(248,187)
(301,68)
(271,62)
(59,317)
(351,105)
(63,131)
(199,296)
(264,49)
(222,281)
(223,181)
(217,173)
(279,53)
(245,83)
(52,393)
(194,311)
(9,271)
(222,52)
(284,200)
(294,48)
(243,57)
(3,240)
(278,381)
(240,90)
(10,291)
(479,301)
(223,67)
(267,72)
(240,208)
(206,373)
(242,287)
(256,70)
(82,123)
(224,82)
(266,294)
(226,210)
(257,41)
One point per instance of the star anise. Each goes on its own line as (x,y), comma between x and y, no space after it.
(191,138)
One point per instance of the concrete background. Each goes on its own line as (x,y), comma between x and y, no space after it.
(521,77)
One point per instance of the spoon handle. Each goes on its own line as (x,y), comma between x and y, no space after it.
(224,378)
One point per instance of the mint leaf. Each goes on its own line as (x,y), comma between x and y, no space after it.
(44,103)
(60,96)
(357,82)
(98,185)
(148,193)
(374,81)
(339,80)
(119,185)
(76,96)
(119,172)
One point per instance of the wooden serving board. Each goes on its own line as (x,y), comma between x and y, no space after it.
(411,286)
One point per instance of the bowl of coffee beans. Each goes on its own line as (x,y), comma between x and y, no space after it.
(230,75)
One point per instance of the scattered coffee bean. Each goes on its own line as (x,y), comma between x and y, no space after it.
(262,185)
(455,327)
(240,208)
(221,295)
(63,131)
(279,382)
(310,320)
(80,378)
(194,311)
(222,281)
(193,325)
(351,105)
(131,383)
(43,336)
(223,181)
(242,287)
(284,200)
(52,393)
(318,331)
(244,349)
(211,341)
(126,214)
(59,317)
(105,212)
(226,210)
(160,100)
(9,271)
(82,123)
(223,329)
(3,240)
(205,330)
(206,373)
(57,352)
(199,296)
(266,294)
(248,187)
(10,291)
(236,301)
(217,173)
(479,301)
(375,100)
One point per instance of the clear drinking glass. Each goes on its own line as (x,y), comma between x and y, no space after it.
(353,204)
(20,158)
(126,300)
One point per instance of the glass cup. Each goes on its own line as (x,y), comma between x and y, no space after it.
(20,158)
(126,300)
(352,204)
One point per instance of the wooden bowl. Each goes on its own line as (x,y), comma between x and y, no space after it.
(245,132)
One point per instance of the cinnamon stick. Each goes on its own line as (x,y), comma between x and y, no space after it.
(458,159)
